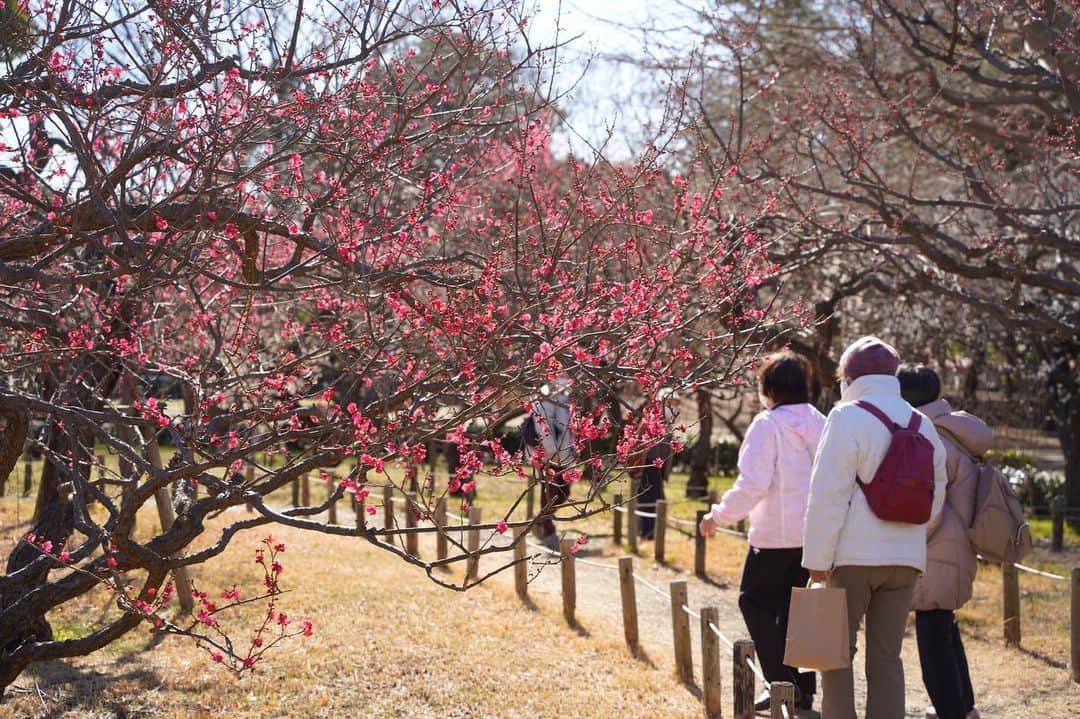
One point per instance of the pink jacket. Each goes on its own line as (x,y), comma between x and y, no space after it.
(775,460)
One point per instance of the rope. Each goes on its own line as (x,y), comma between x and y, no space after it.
(784,711)
(756,670)
(1029,570)
(1050,575)
(720,635)
(692,613)
(597,564)
(653,587)
(721,530)
(637,512)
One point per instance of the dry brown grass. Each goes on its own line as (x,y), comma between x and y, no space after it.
(388,643)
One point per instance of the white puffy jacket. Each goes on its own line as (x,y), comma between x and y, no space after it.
(774,476)
(552,417)
(840,528)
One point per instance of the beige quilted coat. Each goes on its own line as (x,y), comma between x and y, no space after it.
(950,559)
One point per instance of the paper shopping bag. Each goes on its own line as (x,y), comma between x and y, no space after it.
(817,634)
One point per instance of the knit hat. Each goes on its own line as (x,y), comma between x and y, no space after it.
(868,355)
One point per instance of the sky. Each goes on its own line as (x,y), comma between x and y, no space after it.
(605,92)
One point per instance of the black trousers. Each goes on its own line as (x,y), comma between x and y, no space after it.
(944,664)
(649,488)
(553,494)
(764,598)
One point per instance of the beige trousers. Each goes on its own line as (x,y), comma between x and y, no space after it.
(883,596)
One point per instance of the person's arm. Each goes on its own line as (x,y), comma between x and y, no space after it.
(832,482)
(757,464)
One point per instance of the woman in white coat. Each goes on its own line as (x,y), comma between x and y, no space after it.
(846,544)
(774,478)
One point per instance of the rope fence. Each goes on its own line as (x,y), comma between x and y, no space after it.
(746,671)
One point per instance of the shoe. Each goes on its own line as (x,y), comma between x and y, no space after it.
(804,701)
(973,714)
(763,702)
(931,713)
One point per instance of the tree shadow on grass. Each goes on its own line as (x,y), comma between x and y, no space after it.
(713,582)
(642,656)
(63,687)
(528,603)
(578,628)
(1050,661)
(693,689)
(994,641)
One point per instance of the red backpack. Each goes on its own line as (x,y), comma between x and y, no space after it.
(902,489)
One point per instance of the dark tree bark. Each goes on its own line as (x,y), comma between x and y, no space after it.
(698,484)
(1065,407)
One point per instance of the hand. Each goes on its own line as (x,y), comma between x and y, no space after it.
(707,527)
(819,575)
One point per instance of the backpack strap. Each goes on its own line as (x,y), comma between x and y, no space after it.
(884,418)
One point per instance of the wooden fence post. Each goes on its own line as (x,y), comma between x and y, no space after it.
(712,692)
(388,508)
(616,520)
(632,524)
(742,683)
(781,695)
(530,499)
(440,536)
(1057,532)
(331,487)
(411,539)
(659,530)
(521,567)
(305,489)
(28,474)
(1074,631)
(296,491)
(629,601)
(1010,604)
(411,474)
(569,579)
(28,471)
(249,479)
(361,513)
(680,627)
(472,565)
(699,545)
(167,515)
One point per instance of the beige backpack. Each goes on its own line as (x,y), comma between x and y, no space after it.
(999,530)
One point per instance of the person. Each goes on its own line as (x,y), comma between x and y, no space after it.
(774,478)
(656,467)
(946,585)
(548,436)
(847,546)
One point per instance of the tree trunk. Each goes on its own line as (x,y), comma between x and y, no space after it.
(971,377)
(1070,445)
(1064,381)
(698,484)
